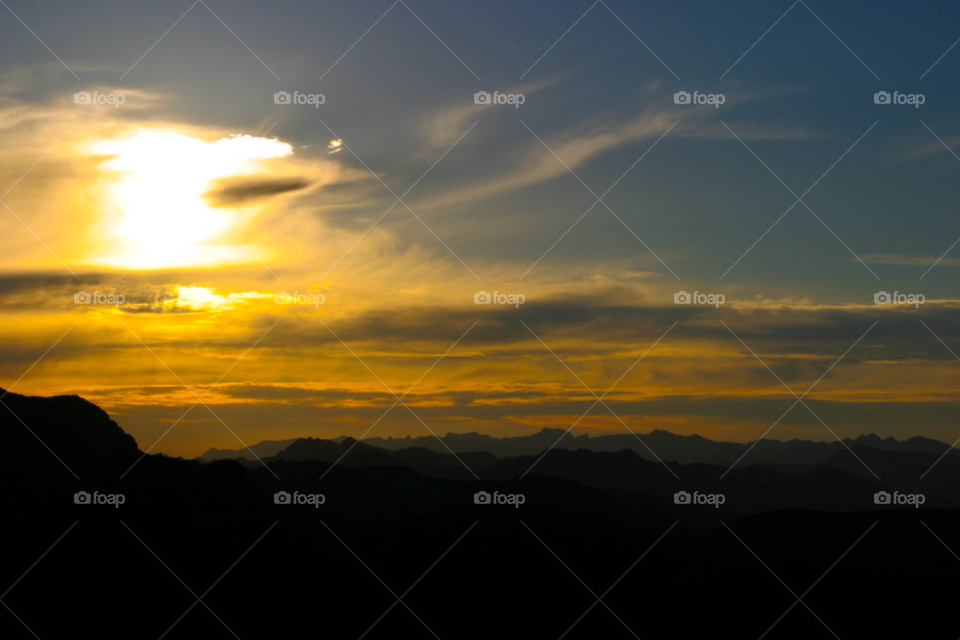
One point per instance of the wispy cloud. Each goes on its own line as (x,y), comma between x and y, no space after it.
(903,260)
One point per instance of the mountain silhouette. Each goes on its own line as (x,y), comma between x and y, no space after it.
(80,432)
(266,569)
(264,449)
(668,446)
(354,454)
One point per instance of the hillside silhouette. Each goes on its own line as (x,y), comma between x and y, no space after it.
(192,530)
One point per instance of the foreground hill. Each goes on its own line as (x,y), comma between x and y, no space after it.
(388,524)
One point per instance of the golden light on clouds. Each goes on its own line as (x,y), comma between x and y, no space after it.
(156,197)
(207,299)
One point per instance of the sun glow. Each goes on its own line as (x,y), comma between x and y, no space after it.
(156,197)
(207,299)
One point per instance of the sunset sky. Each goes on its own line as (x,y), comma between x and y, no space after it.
(199,199)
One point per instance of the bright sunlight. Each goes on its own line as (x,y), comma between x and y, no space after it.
(158,211)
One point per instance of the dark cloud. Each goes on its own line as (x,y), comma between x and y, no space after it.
(33,292)
(232,192)
(12,283)
(595,322)
(797,340)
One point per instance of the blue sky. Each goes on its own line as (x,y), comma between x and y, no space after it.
(799,98)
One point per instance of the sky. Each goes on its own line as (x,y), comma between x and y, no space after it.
(149,154)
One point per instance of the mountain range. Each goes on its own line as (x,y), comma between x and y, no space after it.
(403,523)
(668,446)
